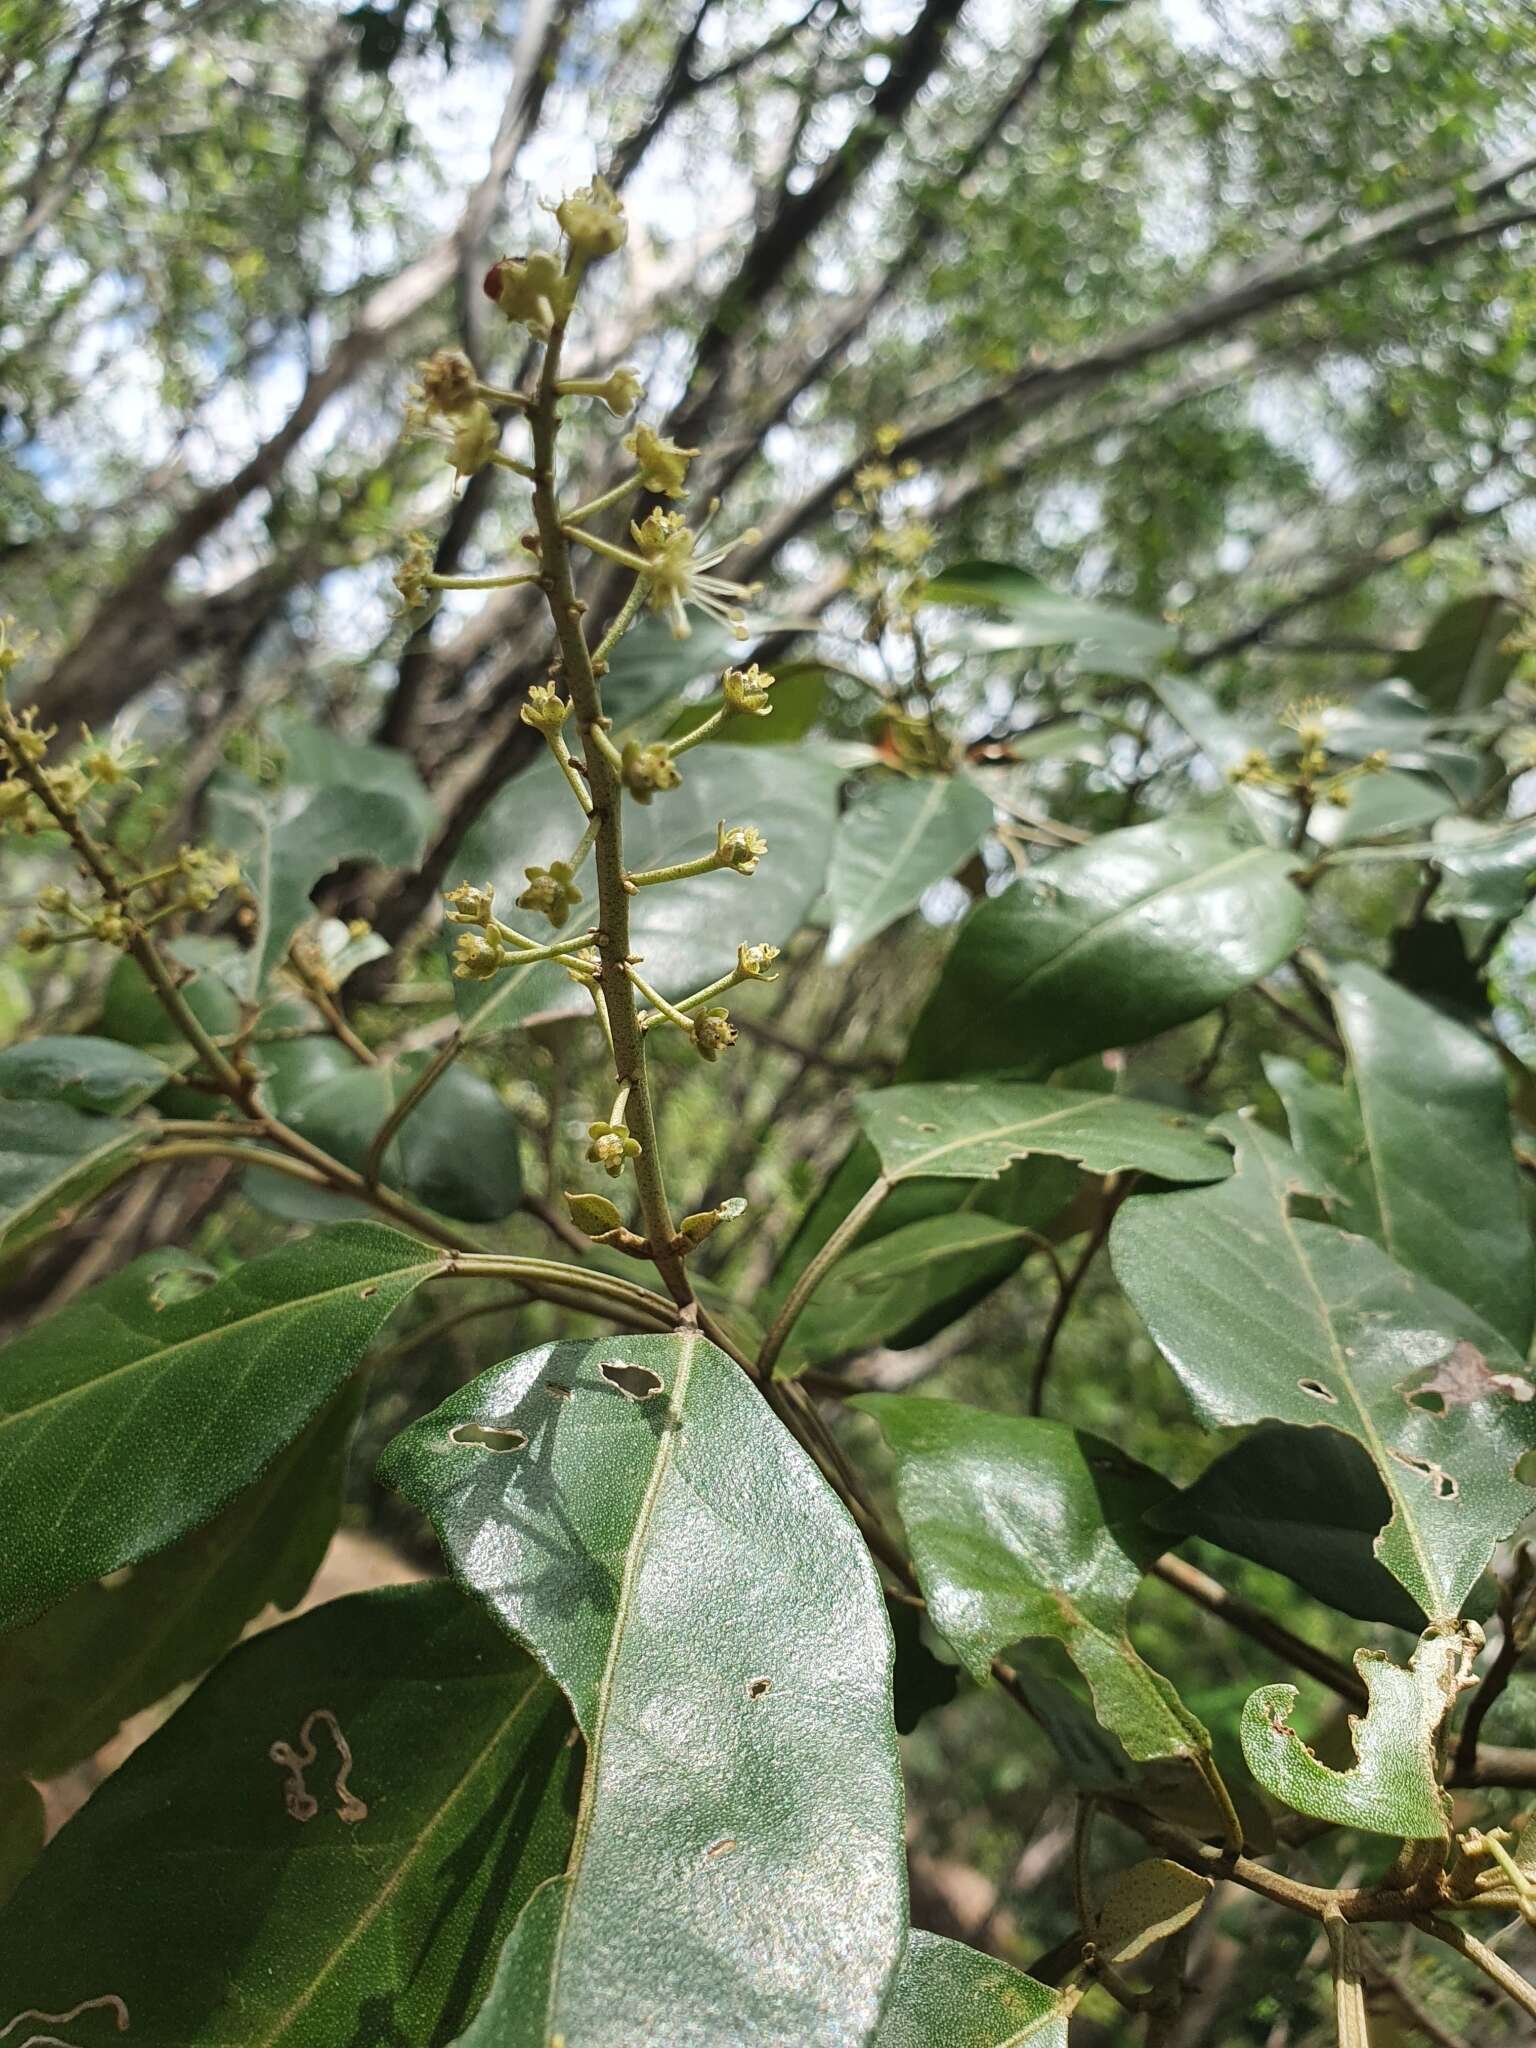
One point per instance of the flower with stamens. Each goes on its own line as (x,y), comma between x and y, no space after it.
(648,769)
(679,574)
(551,892)
(663,465)
(713,1033)
(612,1147)
(746,690)
(546,710)
(753,962)
(740,847)
(475,957)
(593,220)
(469,905)
(110,762)
(448,381)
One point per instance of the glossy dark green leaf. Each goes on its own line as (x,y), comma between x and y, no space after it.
(457,1151)
(896,839)
(52,1160)
(1107,945)
(687,933)
(632,1510)
(288,842)
(971,1130)
(1433,1112)
(129,1418)
(1326,1131)
(1022,1528)
(22,1824)
(1379,807)
(875,1292)
(1485,872)
(1464,659)
(132,1013)
(950,1996)
(1266,1317)
(188,1889)
(1105,636)
(87,1073)
(70,1679)
(1305,1502)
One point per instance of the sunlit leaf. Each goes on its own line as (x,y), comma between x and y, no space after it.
(949,1996)
(896,840)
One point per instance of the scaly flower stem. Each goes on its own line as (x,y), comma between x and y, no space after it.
(682,871)
(477,582)
(624,619)
(569,770)
(663,1007)
(613,497)
(626,557)
(700,732)
(613,942)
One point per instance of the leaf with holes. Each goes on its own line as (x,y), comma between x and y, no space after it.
(1107,945)
(53,1160)
(1267,1317)
(897,838)
(1025,1529)
(949,1996)
(633,1511)
(1393,1786)
(1433,1114)
(129,1418)
(191,1889)
(71,1678)
(971,1130)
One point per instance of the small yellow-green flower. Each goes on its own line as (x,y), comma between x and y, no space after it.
(475,957)
(593,219)
(546,710)
(647,769)
(448,381)
(746,690)
(551,892)
(611,1147)
(753,962)
(713,1033)
(740,847)
(663,465)
(469,905)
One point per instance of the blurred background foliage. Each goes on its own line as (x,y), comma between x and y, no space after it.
(1217,311)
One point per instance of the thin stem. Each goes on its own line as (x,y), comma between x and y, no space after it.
(1497,1676)
(569,770)
(1258,1626)
(478,582)
(625,557)
(1116,1188)
(613,942)
(1509,1980)
(1348,1990)
(326,1004)
(680,871)
(810,1276)
(373,1165)
(624,619)
(662,1007)
(555,1272)
(600,504)
(699,733)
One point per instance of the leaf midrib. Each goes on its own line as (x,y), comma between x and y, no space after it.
(86,1388)
(883,889)
(1090,1108)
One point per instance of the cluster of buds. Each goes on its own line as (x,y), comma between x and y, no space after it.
(1301,770)
(193,881)
(98,767)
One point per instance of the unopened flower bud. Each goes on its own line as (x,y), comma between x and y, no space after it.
(70,785)
(448,381)
(746,690)
(34,938)
(704,1223)
(663,465)
(53,899)
(713,1033)
(622,392)
(110,926)
(648,769)
(593,219)
(531,289)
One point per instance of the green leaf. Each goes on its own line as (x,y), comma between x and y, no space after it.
(971,1130)
(132,1013)
(875,1292)
(949,1996)
(1305,1502)
(688,932)
(53,1159)
(128,1419)
(896,840)
(1026,1529)
(187,1889)
(1379,806)
(70,1679)
(681,1568)
(1326,1131)
(1224,739)
(87,1073)
(1107,945)
(1263,1316)
(317,759)
(1435,1119)
(798,690)
(457,1151)
(1107,637)
(1485,871)
(285,852)
(1393,1786)
(22,1826)
(1463,661)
